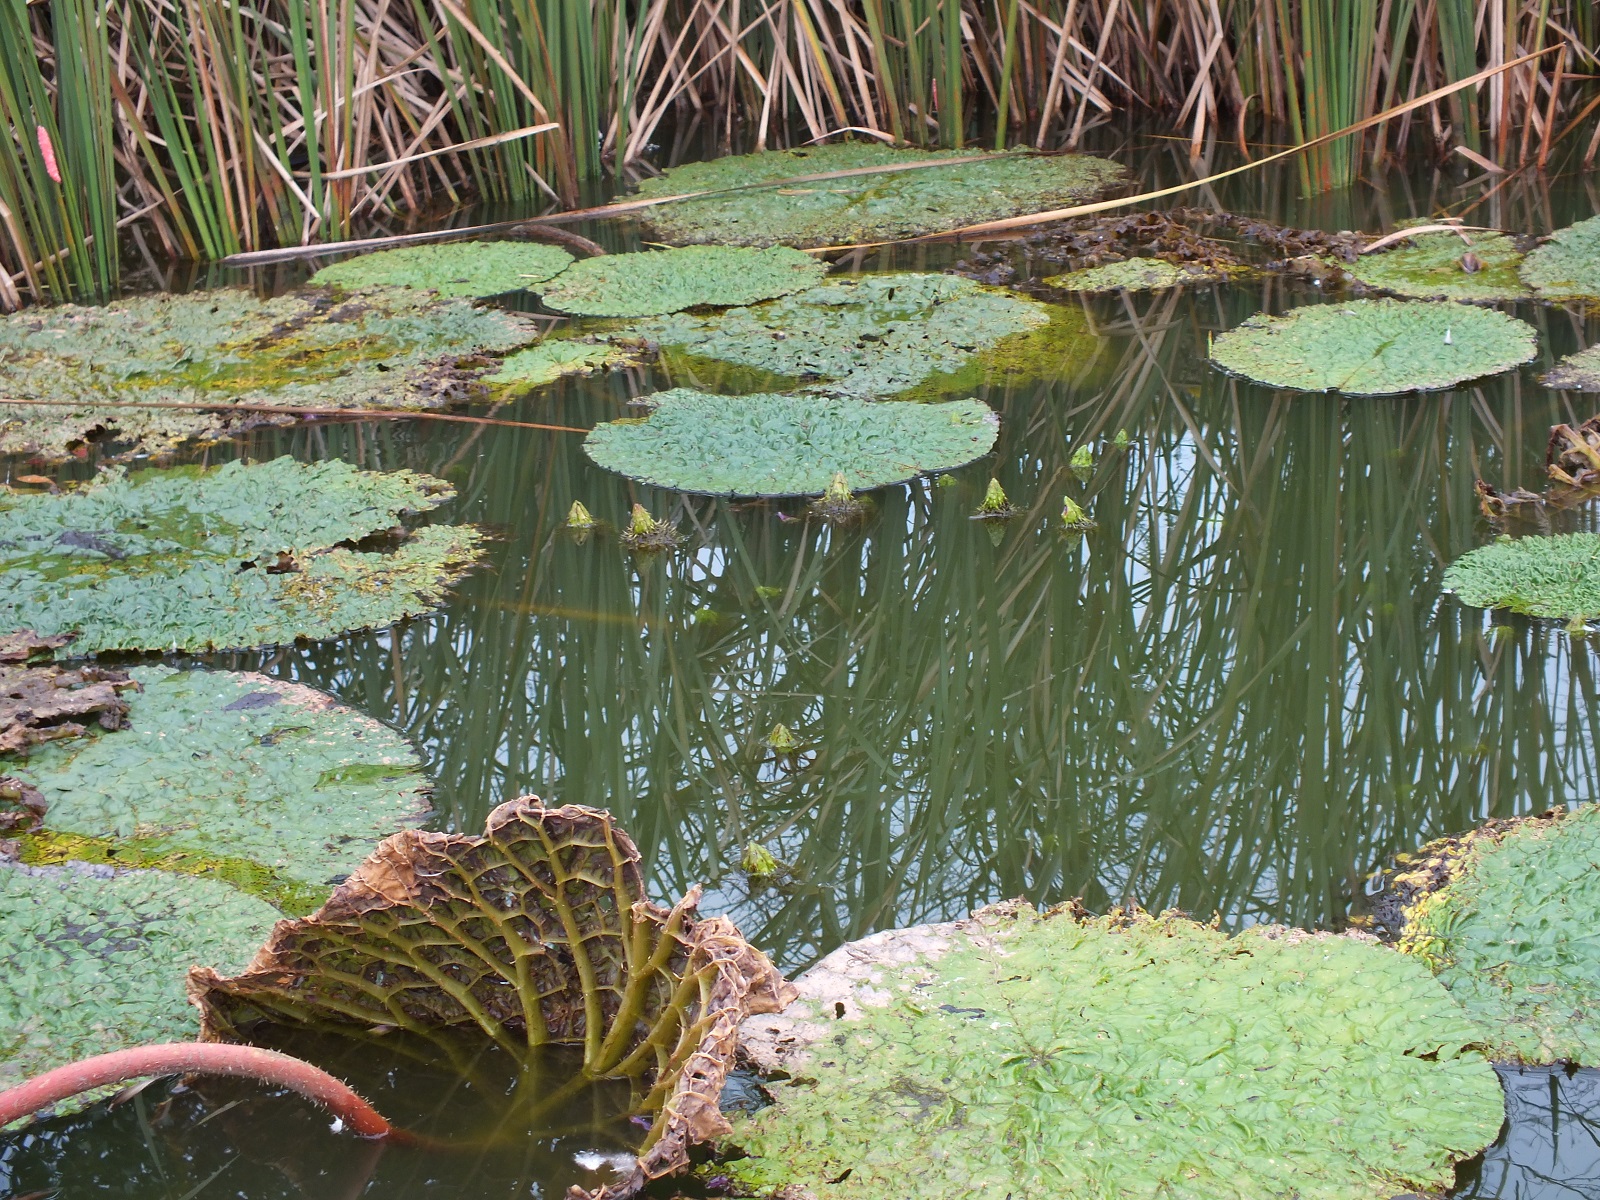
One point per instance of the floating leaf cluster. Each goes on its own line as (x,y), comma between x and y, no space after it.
(781,445)
(1578,372)
(388,348)
(1511,933)
(1137,274)
(450,268)
(1130,1056)
(667,281)
(552,358)
(1443,266)
(236,556)
(973,187)
(1556,576)
(1375,347)
(1567,267)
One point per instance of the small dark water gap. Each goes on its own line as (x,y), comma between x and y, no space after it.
(1242,694)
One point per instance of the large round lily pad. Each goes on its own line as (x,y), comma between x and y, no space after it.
(450,268)
(1556,576)
(1578,372)
(668,281)
(1375,347)
(769,445)
(873,336)
(390,348)
(1567,267)
(236,556)
(95,958)
(1128,1056)
(1511,933)
(974,187)
(1442,266)
(218,765)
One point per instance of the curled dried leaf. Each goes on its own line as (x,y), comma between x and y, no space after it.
(43,702)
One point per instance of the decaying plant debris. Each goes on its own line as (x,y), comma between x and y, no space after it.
(535,932)
(40,702)
(1572,462)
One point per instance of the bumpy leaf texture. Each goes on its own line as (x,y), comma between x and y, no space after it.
(451,268)
(668,281)
(1135,275)
(1567,267)
(1556,576)
(1443,266)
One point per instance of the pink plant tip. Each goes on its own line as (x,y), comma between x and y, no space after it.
(49,152)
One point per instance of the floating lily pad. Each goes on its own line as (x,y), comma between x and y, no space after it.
(1567,267)
(1557,576)
(555,357)
(450,268)
(666,281)
(224,765)
(1136,274)
(389,348)
(862,208)
(1578,372)
(236,556)
(770,445)
(1375,347)
(873,336)
(95,958)
(1127,1056)
(1510,931)
(1434,266)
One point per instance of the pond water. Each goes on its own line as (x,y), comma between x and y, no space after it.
(1239,695)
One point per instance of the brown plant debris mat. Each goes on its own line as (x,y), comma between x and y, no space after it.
(1571,461)
(40,702)
(535,932)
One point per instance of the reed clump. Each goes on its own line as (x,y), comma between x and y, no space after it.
(199,128)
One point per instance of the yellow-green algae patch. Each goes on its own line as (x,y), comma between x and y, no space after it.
(1511,934)
(1442,266)
(227,766)
(450,268)
(389,347)
(655,282)
(95,958)
(236,556)
(968,187)
(1047,1056)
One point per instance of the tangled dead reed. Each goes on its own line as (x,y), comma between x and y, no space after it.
(200,128)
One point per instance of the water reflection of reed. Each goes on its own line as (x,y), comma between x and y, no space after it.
(1239,694)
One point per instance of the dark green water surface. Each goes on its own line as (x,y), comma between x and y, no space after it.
(1241,694)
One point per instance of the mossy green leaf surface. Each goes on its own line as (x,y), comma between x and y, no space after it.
(1135,275)
(1578,372)
(1567,267)
(553,358)
(863,208)
(1556,576)
(451,268)
(95,958)
(1430,267)
(238,766)
(1122,1058)
(874,336)
(772,445)
(1375,347)
(390,348)
(1512,935)
(157,560)
(655,282)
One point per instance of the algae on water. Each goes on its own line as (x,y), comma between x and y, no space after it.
(974,187)
(450,268)
(1443,266)
(1511,934)
(230,557)
(389,348)
(1556,576)
(1137,274)
(1375,347)
(777,445)
(1129,1056)
(1567,267)
(655,282)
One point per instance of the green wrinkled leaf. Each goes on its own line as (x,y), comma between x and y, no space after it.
(1375,347)
(553,358)
(1117,1058)
(155,560)
(1557,576)
(862,207)
(388,348)
(1512,936)
(1428,267)
(450,268)
(667,281)
(773,445)
(1567,267)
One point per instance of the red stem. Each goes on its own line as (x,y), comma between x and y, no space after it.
(201,1058)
